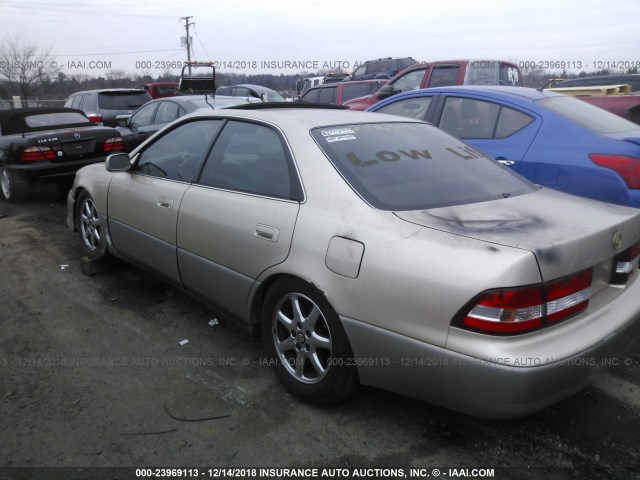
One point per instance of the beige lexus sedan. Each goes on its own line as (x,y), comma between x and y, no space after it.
(377,250)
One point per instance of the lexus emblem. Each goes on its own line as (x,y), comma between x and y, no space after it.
(617,240)
(76,135)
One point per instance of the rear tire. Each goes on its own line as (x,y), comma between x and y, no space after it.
(307,344)
(11,190)
(92,232)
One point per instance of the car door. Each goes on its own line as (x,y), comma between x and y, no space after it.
(139,126)
(143,203)
(503,131)
(237,220)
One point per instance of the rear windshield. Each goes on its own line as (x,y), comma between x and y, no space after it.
(122,100)
(47,120)
(587,115)
(414,166)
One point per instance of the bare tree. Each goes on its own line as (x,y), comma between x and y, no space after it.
(24,66)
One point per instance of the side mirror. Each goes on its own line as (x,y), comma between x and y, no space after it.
(118,162)
(386,91)
(123,120)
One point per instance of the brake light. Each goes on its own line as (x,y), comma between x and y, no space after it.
(519,310)
(568,296)
(95,117)
(625,166)
(112,144)
(32,154)
(625,264)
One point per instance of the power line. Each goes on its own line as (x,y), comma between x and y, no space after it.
(114,53)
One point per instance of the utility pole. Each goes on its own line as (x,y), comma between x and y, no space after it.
(187,40)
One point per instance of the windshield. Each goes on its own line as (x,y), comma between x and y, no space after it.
(56,119)
(589,116)
(217,102)
(414,166)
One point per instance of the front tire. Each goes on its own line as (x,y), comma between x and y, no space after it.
(307,344)
(92,232)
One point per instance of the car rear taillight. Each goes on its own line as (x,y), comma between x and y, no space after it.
(522,309)
(625,166)
(625,264)
(112,144)
(95,117)
(32,154)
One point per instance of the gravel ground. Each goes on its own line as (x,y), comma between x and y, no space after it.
(93,375)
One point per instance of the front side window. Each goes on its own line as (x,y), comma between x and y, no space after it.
(179,154)
(327,95)
(251,158)
(414,166)
(311,96)
(144,116)
(469,118)
(415,107)
(410,81)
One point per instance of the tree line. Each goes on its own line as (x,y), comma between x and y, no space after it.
(32,73)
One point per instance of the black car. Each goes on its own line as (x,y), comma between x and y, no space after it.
(103,106)
(48,142)
(136,128)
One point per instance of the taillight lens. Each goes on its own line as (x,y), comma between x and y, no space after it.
(625,166)
(112,144)
(32,154)
(94,117)
(625,264)
(518,310)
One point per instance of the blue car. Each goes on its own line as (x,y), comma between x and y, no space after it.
(552,139)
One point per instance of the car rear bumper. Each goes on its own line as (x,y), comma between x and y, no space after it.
(506,387)
(46,169)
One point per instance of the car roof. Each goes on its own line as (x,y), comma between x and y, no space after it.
(102,90)
(258,88)
(495,91)
(296,118)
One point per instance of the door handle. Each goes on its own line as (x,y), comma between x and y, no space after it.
(508,163)
(267,233)
(165,202)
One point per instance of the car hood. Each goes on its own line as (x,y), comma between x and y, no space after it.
(566,233)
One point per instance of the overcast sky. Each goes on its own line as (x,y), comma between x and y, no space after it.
(138,36)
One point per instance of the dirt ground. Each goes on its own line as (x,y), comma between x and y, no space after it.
(93,374)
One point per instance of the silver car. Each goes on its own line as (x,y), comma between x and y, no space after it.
(374,249)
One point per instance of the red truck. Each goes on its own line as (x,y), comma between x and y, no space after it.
(442,74)
(162,89)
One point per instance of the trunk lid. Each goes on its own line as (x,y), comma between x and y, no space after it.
(566,233)
(73,143)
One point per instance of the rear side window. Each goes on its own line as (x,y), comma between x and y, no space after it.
(122,100)
(250,158)
(444,76)
(167,112)
(414,166)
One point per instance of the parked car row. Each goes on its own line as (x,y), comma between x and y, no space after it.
(375,249)
(346,237)
(551,139)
